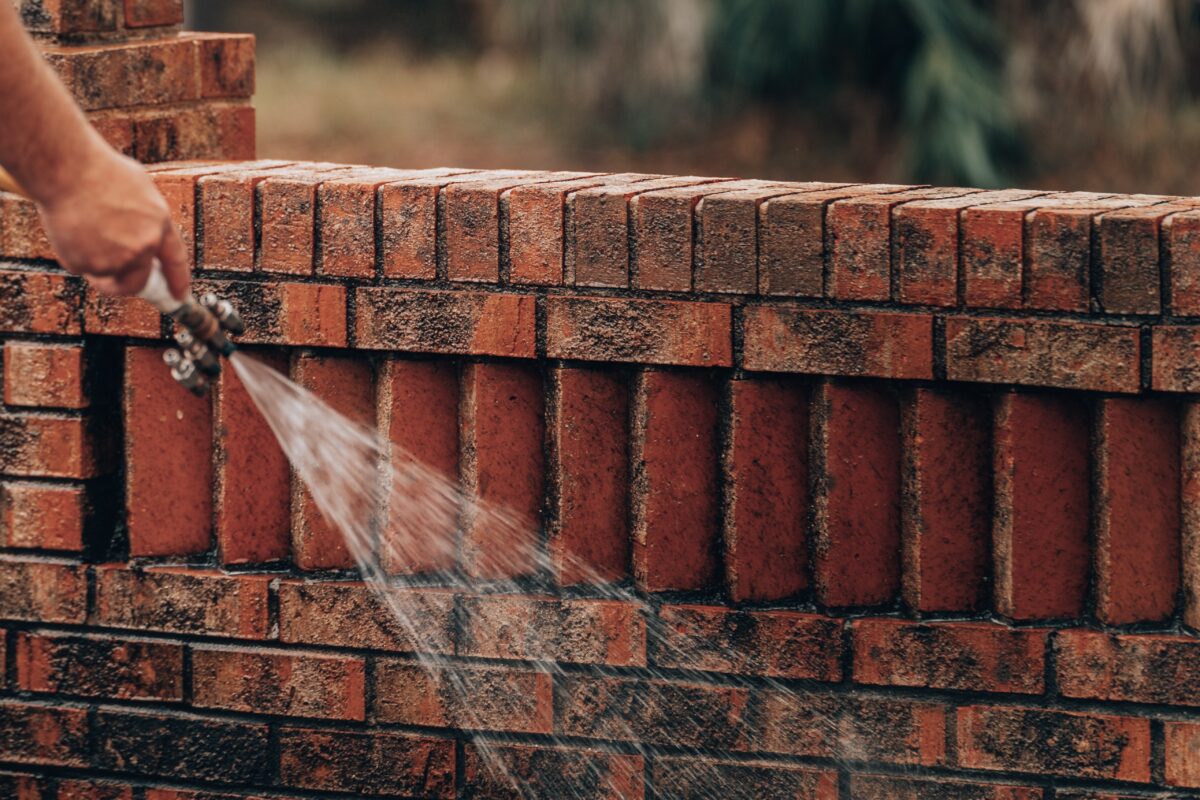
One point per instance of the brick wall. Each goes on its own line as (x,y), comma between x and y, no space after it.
(929,457)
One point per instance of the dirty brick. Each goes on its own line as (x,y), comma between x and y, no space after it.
(179,600)
(100,666)
(352,615)
(367,763)
(640,331)
(453,323)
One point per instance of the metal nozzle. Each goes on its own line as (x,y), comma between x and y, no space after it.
(196,351)
(184,371)
(225,313)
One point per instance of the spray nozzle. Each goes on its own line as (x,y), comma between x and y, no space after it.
(202,336)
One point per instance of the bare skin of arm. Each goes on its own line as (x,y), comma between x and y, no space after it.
(102,213)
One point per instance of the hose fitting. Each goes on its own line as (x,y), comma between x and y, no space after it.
(202,336)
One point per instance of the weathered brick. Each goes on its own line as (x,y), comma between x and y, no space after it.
(72,17)
(1130,278)
(675,471)
(954,655)
(124,74)
(182,747)
(475,698)
(215,130)
(287,204)
(1173,366)
(225,206)
(766,490)
(453,323)
(39,302)
(831,342)
(180,600)
(1183,754)
(1140,668)
(29,787)
(269,682)
(946,500)
(855,458)
(356,615)
(93,666)
(43,516)
(367,763)
(42,591)
(151,13)
(21,232)
(45,375)
(892,787)
(1067,355)
(1054,743)
(1190,512)
(641,331)
(691,777)
(36,445)
(511,771)
(33,734)
(1136,507)
(226,65)
(91,790)
(1181,235)
(1040,533)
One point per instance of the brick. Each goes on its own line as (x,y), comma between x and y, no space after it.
(287,206)
(1190,512)
(589,468)
(114,128)
(46,446)
(691,777)
(226,65)
(150,13)
(1136,508)
(891,787)
(502,436)
(124,74)
(213,130)
(225,205)
(513,771)
(792,240)
(252,474)
(297,314)
(1130,280)
(21,232)
(540,628)
(72,18)
(1173,365)
(766,490)
(1140,668)
(856,472)
(92,790)
(675,472)
(832,342)
(1066,355)
(1183,754)
(475,698)
(93,666)
(1040,533)
(860,245)
(182,747)
(43,516)
(993,254)
(356,615)
(451,323)
(39,302)
(31,734)
(946,506)
(1181,239)
(111,315)
(347,385)
(961,656)
(42,591)
(168,460)
(27,787)
(45,375)
(776,644)
(418,413)
(180,600)
(374,763)
(598,222)
(1054,743)
(653,712)
(269,682)
(641,331)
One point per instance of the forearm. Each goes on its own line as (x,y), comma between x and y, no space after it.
(45,140)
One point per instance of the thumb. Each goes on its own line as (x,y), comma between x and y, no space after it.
(173,256)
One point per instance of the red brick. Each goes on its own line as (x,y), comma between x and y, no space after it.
(1183,754)
(31,734)
(856,465)
(347,385)
(168,460)
(693,777)
(367,763)
(226,65)
(860,246)
(21,232)
(502,465)
(185,747)
(1067,355)
(43,516)
(287,204)
(1054,743)
(993,253)
(962,656)
(356,615)
(94,666)
(792,240)
(504,771)
(539,628)
(72,17)
(149,13)
(832,342)
(45,375)
(115,128)
(42,591)
(453,323)
(418,413)
(640,331)
(589,465)
(269,682)
(110,315)
(1173,365)
(181,600)
(298,314)
(92,790)
(1140,668)
(946,501)
(1181,237)
(1130,280)
(39,302)
(1137,510)
(776,644)
(218,129)
(253,477)
(891,787)
(598,224)
(45,446)
(675,460)
(226,207)
(766,490)
(475,698)
(1190,512)
(124,74)
(1041,506)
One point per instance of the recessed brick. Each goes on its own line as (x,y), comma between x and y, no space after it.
(641,331)
(1183,754)
(452,323)
(1190,512)
(261,682)
(180,600)
(45,375)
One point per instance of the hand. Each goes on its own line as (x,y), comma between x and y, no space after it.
(109,223)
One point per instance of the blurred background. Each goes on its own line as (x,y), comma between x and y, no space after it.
(1055,94)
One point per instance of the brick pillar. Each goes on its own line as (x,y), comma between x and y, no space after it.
(153,91)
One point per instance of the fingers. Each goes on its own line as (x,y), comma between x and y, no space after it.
(133,278)
(173,256)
